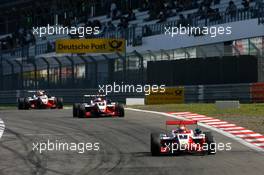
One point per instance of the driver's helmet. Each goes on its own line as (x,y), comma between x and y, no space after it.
(197,131)
(98,99)
(182,129)
(40,93)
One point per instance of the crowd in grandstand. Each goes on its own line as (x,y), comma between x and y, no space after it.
(71,13)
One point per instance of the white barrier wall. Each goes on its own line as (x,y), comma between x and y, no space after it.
(135,101)
(240,30)
(227,104)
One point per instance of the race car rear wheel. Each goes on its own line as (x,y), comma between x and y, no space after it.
(75,109)
(26,103)
(81,111)
(210,143)
(59,103)
(20,103)
(39,104)
(121,111)
(155,144)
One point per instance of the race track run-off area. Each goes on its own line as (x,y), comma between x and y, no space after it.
(124,146)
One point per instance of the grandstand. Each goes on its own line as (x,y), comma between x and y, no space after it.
(30,61)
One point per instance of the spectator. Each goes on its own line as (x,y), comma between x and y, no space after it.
(113,10)
(259,4)
(131,15)
(215,16)
(231,9)
(182,21)
(146,30)
(123,23)
(110,26)
(161,17)
(201,12)
(246,3)
(144,6)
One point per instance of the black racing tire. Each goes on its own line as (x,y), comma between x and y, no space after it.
(75,109)
(155,144)
(26,103)
(81,111)
(210,143)
(60,103)
(20,103)
(39,104)
(121,111)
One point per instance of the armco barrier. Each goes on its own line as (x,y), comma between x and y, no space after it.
(193,94)
(69,95)
(239,92)
(257,92)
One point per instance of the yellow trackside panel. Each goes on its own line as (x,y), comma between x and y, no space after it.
(170,96)
(78,46)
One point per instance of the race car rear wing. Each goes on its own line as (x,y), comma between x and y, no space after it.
(86,96)
(181,122)
(93,96)
(31,91)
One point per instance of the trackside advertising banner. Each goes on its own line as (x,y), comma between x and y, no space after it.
(257,92)
(170,96)
(78,46)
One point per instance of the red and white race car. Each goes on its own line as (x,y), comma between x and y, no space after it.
(40,100)
(182,140)
(98,106)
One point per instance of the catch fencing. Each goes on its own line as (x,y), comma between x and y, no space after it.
(245,93)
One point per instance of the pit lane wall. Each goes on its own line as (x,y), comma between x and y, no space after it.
(245,93)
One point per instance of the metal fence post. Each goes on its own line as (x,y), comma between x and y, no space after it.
(48,70)
(21,74)
(95,70)
(72,68)
(60,69)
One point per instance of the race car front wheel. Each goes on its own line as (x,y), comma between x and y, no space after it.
(60,103)
(81,111)
(75,109)
(121,111)
(155,144)
(210,143)
(20,103)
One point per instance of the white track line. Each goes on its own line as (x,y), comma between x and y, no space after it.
(240,140)
(238,128)
(239,131)
(255,140)
(180,113)
(259,144)
(216,123)
(200,119)
(248,135)
(211,120)
(2,127)
(223,126)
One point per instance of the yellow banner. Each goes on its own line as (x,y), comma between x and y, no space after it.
(170,96)
(90,45)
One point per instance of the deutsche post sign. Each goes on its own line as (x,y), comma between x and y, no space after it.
(170,96)
(90,45)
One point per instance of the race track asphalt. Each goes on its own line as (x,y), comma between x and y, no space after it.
(124,147)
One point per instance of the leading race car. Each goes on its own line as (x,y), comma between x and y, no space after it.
(97,106)
(40,100)
(182,140)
